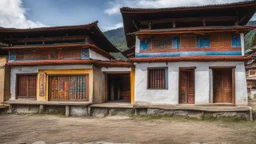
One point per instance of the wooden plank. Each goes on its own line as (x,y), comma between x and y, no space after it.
(191,19)
(45,39)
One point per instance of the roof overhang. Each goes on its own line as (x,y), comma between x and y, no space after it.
(235,13)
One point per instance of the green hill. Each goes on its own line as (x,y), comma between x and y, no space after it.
(117,37)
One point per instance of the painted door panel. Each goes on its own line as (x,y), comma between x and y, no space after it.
(68,87)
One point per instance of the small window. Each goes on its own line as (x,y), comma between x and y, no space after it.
(144,44)
(26,86)
(203,41)
(236,41)
(176,42)
(158,78)
(163,43)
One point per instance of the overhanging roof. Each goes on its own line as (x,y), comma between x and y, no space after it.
(240,13)
(91,29)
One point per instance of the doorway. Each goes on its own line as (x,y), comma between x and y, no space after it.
(187,86)
(223,85)
(118,88)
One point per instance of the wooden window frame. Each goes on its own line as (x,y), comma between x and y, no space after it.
(59,75)
(166,82)
(198,39)
(17,87)
(232,38)
(233,68)
(170,46)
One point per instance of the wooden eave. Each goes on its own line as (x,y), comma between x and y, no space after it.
(61,46)
(57,28)
(196,30)
(13,36)
(135,19)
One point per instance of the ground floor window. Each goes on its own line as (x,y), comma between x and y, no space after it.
(26,86)
(157,78)
(68,87)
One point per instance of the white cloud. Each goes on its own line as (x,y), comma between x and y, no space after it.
(114,7)
(12,15)
(115,26)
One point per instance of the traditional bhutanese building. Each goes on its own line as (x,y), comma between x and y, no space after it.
(64,66)
(251,72)
(189,55)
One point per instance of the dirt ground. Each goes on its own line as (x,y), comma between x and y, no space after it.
(55,129)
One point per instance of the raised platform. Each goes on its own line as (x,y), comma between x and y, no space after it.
(34,102)
(206,108)
(113,105)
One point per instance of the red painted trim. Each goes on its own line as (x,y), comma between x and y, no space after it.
(195,58)
(66,62)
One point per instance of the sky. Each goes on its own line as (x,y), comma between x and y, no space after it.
(44,13)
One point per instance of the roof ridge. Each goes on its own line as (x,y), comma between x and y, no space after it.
(185,7)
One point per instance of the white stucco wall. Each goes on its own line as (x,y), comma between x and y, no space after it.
(35,69)
(97,56)
(203,82)
(115,69)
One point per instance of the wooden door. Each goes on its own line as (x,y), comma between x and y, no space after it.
(222,86)
(187,87)
(26,86)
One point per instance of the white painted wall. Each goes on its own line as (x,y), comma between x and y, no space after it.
(203,82)
(115,69)
(137,45)
(242,43)
(97,56)
(35,69)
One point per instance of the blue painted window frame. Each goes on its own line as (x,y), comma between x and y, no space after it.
(203,41)
(12,56)
(144,44)
(176,42)
(236,40)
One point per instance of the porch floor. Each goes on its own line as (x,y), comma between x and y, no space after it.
(34,102)
(114,105)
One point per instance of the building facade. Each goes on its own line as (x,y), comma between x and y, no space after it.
(69,65)
(189,55)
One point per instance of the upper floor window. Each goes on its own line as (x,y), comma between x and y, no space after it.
(162,43)
(176,42)
(236,41)
(166,43)
(144,44)
(203,41)
(158,78)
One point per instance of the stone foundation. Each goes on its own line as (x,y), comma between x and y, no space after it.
(81,111)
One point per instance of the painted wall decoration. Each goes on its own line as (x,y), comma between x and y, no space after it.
(68,87)
(42,78)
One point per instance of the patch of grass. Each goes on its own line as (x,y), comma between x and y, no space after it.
(165,117)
